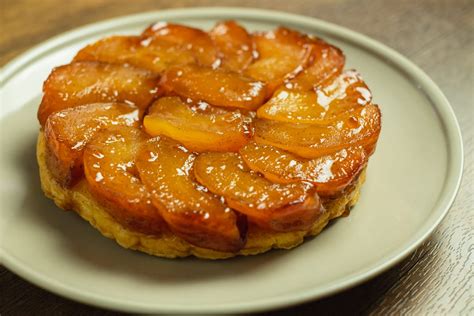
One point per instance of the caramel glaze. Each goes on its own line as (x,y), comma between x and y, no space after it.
(229,129)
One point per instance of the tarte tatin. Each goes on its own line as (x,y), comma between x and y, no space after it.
(180,142)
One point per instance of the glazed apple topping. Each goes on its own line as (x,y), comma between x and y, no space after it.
(345,95)
(145,53)
(282,55)
(326,62)
(290,105)
(312,140)
(330,174)
(190,210)
(235,45)
(236,127)
(199,127)
(92,82)
(218,87)
(196,41)
(67,132)
(109,167)
(280,207)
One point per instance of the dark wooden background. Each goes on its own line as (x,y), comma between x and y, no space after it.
(437,35)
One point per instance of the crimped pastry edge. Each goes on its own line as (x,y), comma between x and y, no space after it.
(168,245)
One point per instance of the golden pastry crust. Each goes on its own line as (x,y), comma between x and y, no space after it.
(79,199)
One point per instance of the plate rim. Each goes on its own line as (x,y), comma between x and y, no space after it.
(439,102)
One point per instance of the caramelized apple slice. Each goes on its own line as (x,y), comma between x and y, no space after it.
(136,51)
(199,128)
(192,39)
(312,141)
(217,87)
(190,210)
(90,82)
(234,44)
(291,105)
(330,174)
(346,93)
(109,166)
(327,62)
(68,131)
(281,207)
(282,54)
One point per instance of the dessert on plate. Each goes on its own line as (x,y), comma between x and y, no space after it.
(180,142)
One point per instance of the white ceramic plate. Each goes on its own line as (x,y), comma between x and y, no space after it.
(412,181)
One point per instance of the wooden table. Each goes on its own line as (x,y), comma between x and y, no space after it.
(437,35)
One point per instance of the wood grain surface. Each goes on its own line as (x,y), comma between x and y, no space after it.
(438,278)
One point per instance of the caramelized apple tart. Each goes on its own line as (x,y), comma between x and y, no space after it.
(181,142)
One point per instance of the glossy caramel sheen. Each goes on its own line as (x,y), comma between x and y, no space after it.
(218,87)
(91,82)
(281,207)
(199,127)
(341,96)
(67,132)
(325,62)
(189,209)
(198,42)
(311,140)
(235,45)
(203,132)
(330,173)
(282,55)
(146,53)
(109,167)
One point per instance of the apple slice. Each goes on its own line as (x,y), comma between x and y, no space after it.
(91,82)
(191,212)
(282,55)
(112,177)
(199,128)
(218,87)
(196,41)
(68,131)
(280,207)
(312,140)
(136,51)
(234,44)
(342,96)
(327,62)
(330,174)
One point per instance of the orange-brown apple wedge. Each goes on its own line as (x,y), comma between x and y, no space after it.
(218,87)
(67,132)
(362,128)
(330,174)
(190,210)
(234,44)
(326,62)
(91,82)
(326,103)
(280,207)
(196,41)
(140,52)
(282,55)
(200,128)
(112,177)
